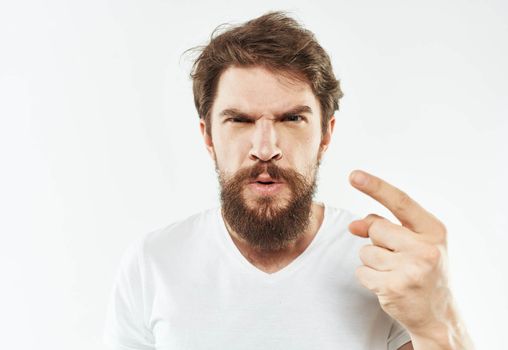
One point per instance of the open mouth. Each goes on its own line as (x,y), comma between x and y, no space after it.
(266,187)
(265,182)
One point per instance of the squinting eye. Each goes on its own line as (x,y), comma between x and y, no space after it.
(238,120)
(293,118)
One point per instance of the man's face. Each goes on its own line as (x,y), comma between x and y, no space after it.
(266,142)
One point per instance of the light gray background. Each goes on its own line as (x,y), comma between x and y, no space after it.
(99,141)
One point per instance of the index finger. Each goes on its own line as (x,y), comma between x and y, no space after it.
(408,211)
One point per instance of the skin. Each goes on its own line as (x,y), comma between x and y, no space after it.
(262,135)
(405,266)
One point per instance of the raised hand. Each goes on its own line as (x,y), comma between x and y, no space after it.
(406,266)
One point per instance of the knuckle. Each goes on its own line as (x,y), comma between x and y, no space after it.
(442,226)
(368,255)
(376,185)
(379,232)
(403,201)
(374,226)
(394,289)
(431,254)
(360,275)
(378,223)
(372,216)
(441,231)
(364,252)
(414,276)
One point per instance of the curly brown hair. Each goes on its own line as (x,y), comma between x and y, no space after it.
(274,41)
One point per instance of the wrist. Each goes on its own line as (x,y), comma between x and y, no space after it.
(435,338)
(446,334)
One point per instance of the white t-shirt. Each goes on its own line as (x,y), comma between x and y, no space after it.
(187,286)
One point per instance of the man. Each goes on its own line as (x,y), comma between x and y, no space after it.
(270,268)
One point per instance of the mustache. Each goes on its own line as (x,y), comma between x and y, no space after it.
(276,173)
(249,174)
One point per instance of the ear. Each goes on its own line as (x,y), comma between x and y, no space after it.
(207,138)
(327,137)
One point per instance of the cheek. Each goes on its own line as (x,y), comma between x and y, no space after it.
(301,160)
(304,152)
(230,155)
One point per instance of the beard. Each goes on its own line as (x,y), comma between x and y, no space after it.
(268,225)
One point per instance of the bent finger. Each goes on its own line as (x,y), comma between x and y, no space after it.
(378,258)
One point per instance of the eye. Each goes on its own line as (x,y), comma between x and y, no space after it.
(239,120)
(293,118)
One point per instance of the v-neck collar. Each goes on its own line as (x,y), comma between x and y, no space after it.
(248,267)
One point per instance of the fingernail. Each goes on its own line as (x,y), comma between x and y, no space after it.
(359,178)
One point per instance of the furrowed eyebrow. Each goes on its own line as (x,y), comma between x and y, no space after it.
(296,110)
(233,112)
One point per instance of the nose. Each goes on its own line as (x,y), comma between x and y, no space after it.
(264,142)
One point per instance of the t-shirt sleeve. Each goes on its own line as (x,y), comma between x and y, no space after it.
(125,326)
(398,336)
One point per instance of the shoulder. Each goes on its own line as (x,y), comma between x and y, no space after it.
(338,219)
(339,215)
(177,237)
(184,228)
(336,224)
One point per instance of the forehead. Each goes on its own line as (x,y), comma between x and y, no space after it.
(257,90)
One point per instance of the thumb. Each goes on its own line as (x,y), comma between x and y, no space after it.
(361,227)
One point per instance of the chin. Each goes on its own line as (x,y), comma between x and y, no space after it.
(267,207)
